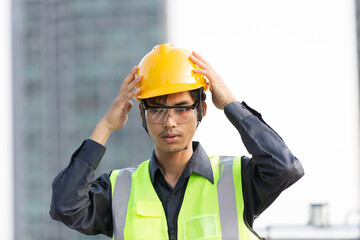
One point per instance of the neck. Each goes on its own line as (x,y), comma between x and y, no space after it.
(173,163)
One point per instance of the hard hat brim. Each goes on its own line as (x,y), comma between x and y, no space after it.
(175,88)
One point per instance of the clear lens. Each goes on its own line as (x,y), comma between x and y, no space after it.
(179,115)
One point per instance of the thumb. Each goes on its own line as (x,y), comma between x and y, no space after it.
(128,107)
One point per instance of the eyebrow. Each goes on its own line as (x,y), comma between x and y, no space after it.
(182,103)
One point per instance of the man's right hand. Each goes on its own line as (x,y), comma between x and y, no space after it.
(117,115)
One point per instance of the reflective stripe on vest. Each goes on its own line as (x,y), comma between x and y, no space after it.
(207,211)
(122,180)
(227,201)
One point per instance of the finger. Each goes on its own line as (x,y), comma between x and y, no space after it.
(130,76)
(128,80)
(197,61)
(129,90)
(201,71)
(197,55)
(136,81)
(128,96)
(134,93)
(129,105)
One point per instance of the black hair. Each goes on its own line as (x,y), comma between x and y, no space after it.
(198,95)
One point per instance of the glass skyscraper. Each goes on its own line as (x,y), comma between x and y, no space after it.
(70,58)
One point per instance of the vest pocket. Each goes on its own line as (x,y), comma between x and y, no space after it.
(202,227)
(148,209)
(148,220)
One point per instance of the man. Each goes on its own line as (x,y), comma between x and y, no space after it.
(180,193)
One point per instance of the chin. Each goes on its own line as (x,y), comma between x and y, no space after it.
(172,148)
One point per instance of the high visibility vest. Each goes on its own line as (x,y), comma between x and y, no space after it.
(208,211)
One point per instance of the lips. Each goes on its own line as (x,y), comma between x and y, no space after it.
(170,137)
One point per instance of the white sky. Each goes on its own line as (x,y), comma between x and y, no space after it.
(296,63)
(6,140)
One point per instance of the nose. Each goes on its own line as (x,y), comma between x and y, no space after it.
(169,121)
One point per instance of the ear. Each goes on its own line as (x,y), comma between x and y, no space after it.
(204,105)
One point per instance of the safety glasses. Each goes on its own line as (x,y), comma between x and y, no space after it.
(180,114)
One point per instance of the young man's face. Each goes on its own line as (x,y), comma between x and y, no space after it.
(169,135)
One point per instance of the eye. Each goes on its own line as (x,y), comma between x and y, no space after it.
(152,111)
(182,111)
(156,111)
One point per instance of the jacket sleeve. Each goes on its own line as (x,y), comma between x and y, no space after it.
(272,167)
(79,201)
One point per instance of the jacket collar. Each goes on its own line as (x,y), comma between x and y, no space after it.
(199,163)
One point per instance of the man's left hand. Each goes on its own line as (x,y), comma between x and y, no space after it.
(221,95)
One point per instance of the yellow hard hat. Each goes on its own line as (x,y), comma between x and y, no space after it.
(167,69)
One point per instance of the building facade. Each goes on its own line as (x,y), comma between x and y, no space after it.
(69,60)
